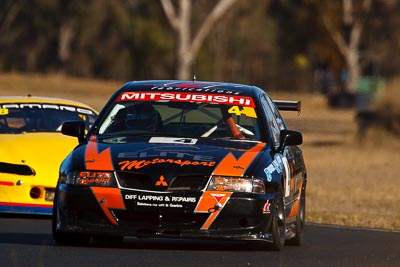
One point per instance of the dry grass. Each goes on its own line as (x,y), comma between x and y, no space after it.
(389,100)
(349,183)
(92,92)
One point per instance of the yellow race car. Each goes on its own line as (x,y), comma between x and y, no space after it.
(32,148)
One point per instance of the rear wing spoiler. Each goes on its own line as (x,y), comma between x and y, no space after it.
(288,105)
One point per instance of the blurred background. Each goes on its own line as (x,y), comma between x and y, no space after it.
(306,45)
(344,49)
(340,57)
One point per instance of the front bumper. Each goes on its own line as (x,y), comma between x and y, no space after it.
(243,216)
(21,195)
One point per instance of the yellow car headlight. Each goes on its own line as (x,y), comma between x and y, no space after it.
(236,184)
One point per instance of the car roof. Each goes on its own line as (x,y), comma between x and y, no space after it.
(192,86)
(42,99)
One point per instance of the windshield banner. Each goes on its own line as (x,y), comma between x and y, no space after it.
(187,97)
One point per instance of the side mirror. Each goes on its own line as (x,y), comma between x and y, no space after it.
(74,128)
(290,138)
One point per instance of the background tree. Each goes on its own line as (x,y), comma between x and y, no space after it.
(8,12)
(180,19)
(347,36)
(243,48)
(275,44)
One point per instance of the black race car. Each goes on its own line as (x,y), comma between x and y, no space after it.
(184,159)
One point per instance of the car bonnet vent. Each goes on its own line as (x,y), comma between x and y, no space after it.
(19,169)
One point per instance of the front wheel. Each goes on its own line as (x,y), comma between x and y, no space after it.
(278,224)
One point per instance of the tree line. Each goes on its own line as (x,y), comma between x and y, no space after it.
(295,45)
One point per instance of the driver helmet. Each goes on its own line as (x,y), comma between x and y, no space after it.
(142,116)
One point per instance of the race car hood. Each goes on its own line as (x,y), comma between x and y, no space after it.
(41,152)
(169,157)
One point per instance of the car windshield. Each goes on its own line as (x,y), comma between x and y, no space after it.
(182,118)
(40,117)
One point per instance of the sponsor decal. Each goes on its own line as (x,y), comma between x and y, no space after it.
(160,201)
(269,175)
(212,202)
(94,177)
(275,165)
(109,198)
(168,152)
(266,207)
(4,109)
(190,87)
(138,164)
(98,161)
(230,166)
(239,111)
(187,97)
(161,181)
(173,140)
(279,165)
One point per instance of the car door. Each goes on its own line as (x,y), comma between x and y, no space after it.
(288,155)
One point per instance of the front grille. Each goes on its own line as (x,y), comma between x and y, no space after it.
(142,181)
(154,220)
(134,180)
(188,182)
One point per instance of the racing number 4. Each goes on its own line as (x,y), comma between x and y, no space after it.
(248,111)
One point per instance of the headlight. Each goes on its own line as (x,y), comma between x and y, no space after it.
(236,184)
(91,178)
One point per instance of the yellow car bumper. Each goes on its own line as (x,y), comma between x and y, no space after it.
(18,195)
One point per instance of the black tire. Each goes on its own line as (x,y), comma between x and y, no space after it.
(278,224)
(297,240)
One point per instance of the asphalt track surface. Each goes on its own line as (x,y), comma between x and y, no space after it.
(27,241)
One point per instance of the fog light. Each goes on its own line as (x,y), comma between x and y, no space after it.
(35,192)
(49,195)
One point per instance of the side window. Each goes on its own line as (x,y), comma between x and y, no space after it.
(272,122)
(277,114)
